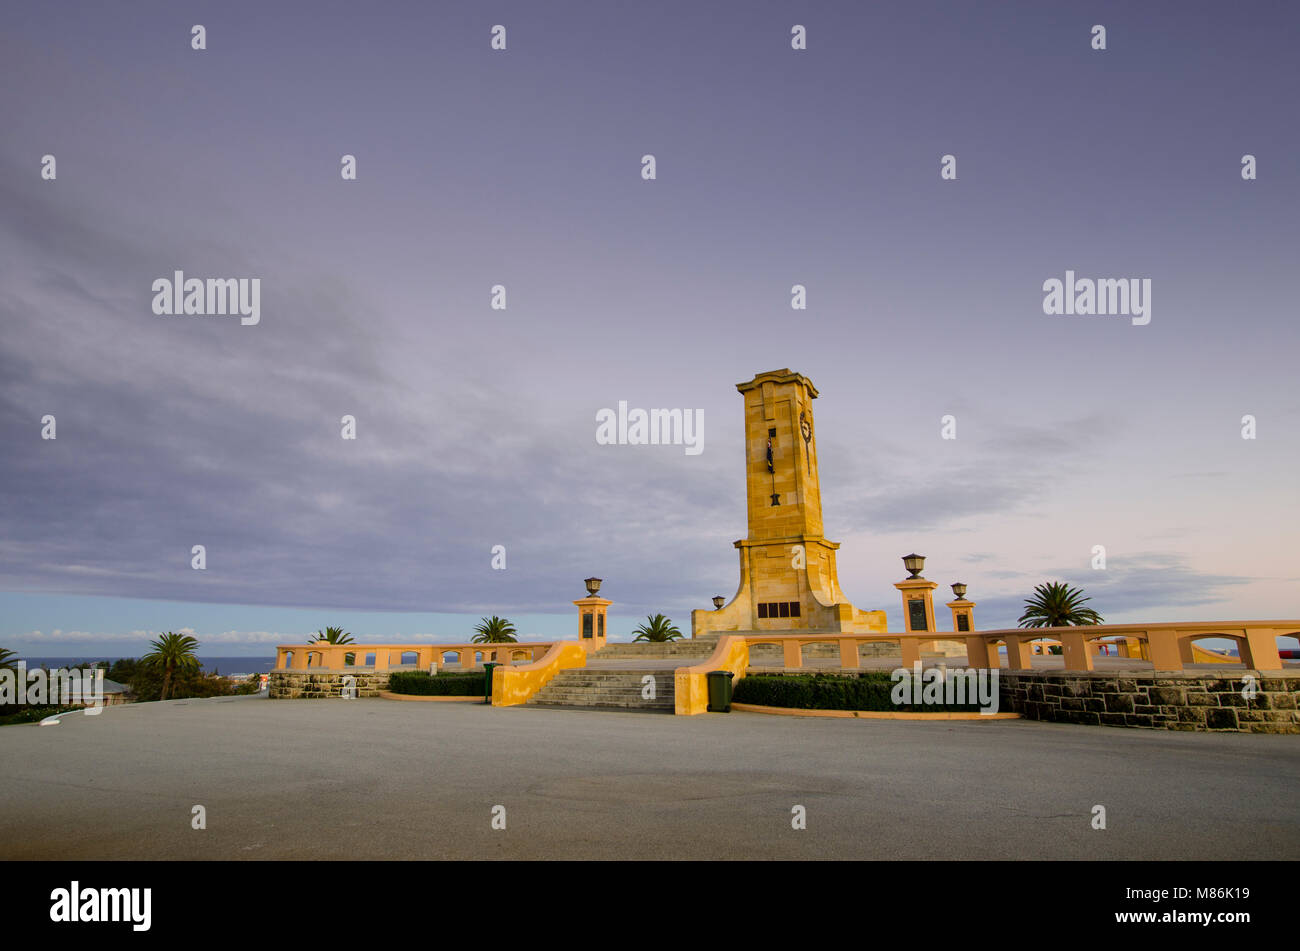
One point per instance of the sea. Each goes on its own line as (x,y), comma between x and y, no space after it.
(210,665)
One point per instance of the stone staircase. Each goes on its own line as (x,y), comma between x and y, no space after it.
(608,689)
(614,677)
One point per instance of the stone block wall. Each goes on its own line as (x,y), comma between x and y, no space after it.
(1161,701)
(323,684)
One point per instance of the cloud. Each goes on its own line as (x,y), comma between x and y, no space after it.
(181,433)
(1012,472)
(1152,586)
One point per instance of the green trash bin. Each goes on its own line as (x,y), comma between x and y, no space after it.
(487,681)
(720,690)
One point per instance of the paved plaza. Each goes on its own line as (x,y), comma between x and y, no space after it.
(375,778)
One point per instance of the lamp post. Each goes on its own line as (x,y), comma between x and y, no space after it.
(718,602)
(963,619)
(979,653)
(591,617)
(918,595)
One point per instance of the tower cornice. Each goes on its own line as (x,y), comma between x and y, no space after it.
(778,376)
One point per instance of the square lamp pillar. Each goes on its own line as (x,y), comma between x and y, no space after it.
(963,611)
(918,596)
(591,617)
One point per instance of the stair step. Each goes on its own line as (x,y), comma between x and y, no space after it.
(603,706)
(628,695)
(607,689)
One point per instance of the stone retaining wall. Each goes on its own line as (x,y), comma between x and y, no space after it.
(322,684)
(1165,701)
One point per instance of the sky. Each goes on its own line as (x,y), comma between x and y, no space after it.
(523,168)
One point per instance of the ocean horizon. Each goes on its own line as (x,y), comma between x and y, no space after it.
(258,664)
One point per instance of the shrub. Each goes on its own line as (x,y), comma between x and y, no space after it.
(868,691)
(421,683)
(30,714)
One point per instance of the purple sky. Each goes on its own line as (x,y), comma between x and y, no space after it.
(775,167)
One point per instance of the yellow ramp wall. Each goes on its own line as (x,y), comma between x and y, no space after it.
(514,685)
(691,685)
(1202,656)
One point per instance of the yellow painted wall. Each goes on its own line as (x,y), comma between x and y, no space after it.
(690,684)
(514,685)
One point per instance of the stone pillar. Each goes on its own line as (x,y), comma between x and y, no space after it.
(792,653)
(911,647)
(963,615)
(1074,647)
(849,653)
(918,617)
(1259,650)
(980,653)
(1018,651)
(1164,650)
(592,613)
(381,659)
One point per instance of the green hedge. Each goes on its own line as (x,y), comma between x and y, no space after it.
(868,691)
(11,714)
(421,683)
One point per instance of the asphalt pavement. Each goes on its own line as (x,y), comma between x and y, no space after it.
(373,778)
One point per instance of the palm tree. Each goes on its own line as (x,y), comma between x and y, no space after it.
(659,630)
(494,630)
(172,652)
(7,658)
(1056,604)
(332,635)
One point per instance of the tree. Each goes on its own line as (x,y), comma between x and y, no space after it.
(494,630)
(124,670)
(172,652)
(659,629)
(8,659)
(332,635)
(1056,604)
(250,685)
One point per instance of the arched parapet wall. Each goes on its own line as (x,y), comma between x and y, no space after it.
(382,657)
(1164,646)
(1167,646)
(815,649)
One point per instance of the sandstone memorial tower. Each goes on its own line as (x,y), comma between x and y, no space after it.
(788,578)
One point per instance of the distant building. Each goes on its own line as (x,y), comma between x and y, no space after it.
(115,692)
